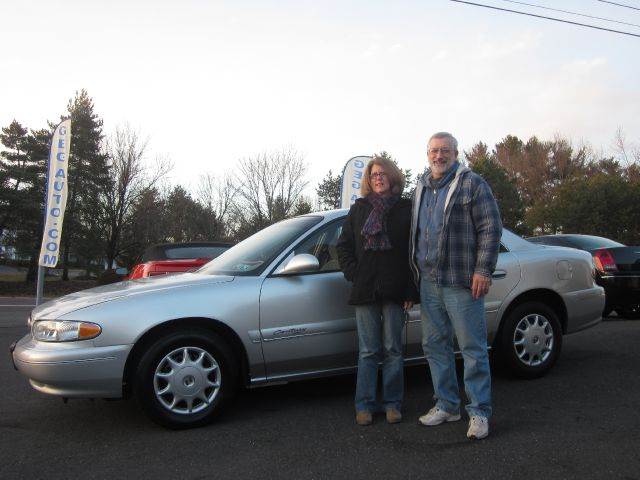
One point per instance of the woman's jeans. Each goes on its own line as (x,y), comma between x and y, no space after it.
(380,340)
(445,311)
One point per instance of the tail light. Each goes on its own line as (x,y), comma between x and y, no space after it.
(604,261)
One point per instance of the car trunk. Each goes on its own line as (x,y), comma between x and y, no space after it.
(627,260)
(159,267)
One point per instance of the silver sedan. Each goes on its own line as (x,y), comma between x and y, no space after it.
(274,309)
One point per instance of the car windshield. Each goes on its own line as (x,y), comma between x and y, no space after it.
(592,243)
(251,256)
(179,253)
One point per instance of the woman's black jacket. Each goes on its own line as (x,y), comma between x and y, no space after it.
(377,274)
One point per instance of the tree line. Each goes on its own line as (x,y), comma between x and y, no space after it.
(548,187)
(119,201)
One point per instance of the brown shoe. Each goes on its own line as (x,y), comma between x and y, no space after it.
(363,418)
(393,416)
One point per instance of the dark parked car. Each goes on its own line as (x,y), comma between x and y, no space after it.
(617,269)
(176,258)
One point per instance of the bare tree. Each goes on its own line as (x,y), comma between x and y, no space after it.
(629,154)
(620,145)
(218,195)
(130,178)
(269,185)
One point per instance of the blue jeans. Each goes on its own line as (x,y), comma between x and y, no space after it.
(445,311)
(380,340)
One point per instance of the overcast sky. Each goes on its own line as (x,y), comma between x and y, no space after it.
(210,82)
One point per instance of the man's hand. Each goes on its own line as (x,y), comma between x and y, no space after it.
(407,305)
(479,285)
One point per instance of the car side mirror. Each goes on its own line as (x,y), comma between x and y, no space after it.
(122,271)
(303,262)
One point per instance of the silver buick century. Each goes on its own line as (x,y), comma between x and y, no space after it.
(274,309)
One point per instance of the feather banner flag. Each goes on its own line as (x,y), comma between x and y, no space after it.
(56,201)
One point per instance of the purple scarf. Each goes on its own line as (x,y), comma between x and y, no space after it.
(375,228)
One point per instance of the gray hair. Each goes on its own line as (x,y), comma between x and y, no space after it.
(447,135)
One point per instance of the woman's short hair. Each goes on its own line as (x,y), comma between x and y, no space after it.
(394,175)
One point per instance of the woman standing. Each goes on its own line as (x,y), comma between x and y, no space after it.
(373,251)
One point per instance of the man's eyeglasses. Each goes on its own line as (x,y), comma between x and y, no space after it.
(380,175)
(444,151)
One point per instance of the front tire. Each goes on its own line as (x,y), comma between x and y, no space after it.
(531,340)
(185,378)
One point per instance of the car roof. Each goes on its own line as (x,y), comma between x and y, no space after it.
(516,243)
(329,214)
(578,240)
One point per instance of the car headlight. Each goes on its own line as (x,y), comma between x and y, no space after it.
(64,331)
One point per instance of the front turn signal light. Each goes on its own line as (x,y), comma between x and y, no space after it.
(64,331)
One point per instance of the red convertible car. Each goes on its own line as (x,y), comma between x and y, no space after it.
(168,258)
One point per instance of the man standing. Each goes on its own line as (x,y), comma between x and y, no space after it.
(455,240)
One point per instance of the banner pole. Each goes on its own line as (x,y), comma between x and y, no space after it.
(40,287)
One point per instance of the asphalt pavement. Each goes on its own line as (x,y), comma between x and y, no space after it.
(580,421)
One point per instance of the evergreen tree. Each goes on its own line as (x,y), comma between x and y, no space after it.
(147,226)
(22,187)
(302,207)
(602,204)
(14,166)
(507,196)
(328,191)
(186,220)
(29,238)
(88,177)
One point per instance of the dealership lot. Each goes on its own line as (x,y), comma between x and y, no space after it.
(580,421)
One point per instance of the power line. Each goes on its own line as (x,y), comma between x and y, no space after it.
(546,18)
(620,5)
(572,13)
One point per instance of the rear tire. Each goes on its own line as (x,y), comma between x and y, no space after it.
(185,378)
(531,340)
(608,309)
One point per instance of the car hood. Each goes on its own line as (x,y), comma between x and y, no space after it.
(93,296)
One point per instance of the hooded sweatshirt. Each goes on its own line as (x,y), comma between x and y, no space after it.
(431,219)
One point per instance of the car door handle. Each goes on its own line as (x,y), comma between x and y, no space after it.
(499,274)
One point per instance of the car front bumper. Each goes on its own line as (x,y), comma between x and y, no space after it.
(72,369)
(584,308)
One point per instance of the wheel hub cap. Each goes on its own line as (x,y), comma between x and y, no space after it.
(533,339)
(187,380)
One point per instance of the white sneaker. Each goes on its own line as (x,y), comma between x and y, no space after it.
(478,427)
(435,416)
